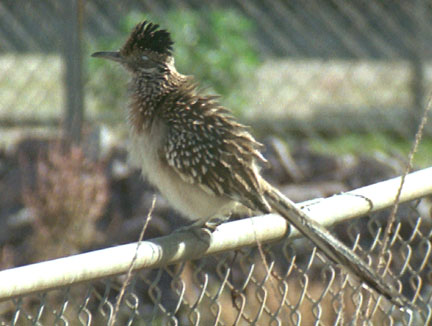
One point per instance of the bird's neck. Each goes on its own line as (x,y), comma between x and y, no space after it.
(147,92)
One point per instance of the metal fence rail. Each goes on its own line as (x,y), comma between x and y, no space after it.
(220,289)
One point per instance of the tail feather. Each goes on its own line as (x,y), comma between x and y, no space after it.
(332,247)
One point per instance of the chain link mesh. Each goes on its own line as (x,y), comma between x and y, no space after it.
(329,68)
(295,286)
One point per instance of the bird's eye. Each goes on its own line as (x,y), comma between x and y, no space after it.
(145,58)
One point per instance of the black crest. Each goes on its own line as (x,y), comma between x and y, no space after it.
(148,36)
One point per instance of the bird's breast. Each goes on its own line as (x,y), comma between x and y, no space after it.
(146,152)
(145,147)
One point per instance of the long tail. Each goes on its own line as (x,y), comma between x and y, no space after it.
(332,247)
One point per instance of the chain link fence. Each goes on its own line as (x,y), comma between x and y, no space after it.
(322,68)
(277,283)
(329,78)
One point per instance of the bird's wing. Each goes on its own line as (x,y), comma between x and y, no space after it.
(206,146)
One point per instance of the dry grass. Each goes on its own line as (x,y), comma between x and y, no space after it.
(71,195)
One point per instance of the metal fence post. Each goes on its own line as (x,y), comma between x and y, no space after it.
(72,37)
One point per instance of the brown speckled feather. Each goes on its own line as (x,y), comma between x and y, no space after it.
(200,158)
(207,147)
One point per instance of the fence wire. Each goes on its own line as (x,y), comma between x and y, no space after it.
(330,66)
(296,287)
(280,283)
(320,74)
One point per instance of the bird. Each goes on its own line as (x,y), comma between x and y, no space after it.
(201,159)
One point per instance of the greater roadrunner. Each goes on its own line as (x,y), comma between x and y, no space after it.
(200,158)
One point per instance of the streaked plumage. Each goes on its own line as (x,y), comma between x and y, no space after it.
(200,158)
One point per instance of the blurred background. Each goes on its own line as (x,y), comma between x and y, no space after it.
(318,70)
(335,89)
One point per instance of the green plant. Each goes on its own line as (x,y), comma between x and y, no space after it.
(211,45)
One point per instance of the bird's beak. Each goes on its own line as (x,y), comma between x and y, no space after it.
(115,56)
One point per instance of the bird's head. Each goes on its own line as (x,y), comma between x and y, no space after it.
(147,50)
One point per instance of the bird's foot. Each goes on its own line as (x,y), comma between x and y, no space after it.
(213,224)
(201,232)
